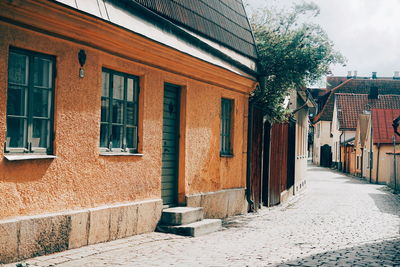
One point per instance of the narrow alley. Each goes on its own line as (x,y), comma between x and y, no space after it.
(336,221)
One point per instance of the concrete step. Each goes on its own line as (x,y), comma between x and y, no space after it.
(194,229)
(181,215)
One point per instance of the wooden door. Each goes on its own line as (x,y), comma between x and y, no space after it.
(170,154)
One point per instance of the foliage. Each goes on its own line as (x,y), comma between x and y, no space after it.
(293,53)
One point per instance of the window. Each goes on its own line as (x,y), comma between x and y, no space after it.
(226,126)
(29,102)
(119,112)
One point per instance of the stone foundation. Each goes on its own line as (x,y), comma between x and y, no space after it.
(32,236)
(220,204)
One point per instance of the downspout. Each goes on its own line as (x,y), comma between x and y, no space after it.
(394,163)
(249,153)
(377,163)
(370,155)
(340,150)
(343,165)
(362,161)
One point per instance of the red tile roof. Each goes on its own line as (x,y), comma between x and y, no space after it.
(350,106)
(357,86)
(382,129)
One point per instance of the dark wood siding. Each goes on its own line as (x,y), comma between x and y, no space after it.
(266,158)
(256,156)
(291,164)
(278,162)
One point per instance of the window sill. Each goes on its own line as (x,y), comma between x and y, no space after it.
(28,157)
(120,154)
(226,155)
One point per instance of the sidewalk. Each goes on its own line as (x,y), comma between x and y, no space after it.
(337,221)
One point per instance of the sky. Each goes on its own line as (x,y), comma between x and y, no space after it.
(366,32)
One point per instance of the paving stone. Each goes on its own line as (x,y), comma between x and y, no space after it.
(336,221)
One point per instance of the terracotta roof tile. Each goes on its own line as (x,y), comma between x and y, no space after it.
(357,86)
(350,106)
(382,130)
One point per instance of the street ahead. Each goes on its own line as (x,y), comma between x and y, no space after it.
(336,221)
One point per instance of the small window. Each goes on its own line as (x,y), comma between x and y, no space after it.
(226,127)
(119,112)
(29,102)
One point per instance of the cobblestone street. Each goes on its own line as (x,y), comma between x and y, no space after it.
(336,221)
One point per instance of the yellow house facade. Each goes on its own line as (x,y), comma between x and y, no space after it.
(108,115)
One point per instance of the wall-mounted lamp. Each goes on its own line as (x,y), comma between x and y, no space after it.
(82,61)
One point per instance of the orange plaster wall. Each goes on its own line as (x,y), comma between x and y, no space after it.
(79,177)
(206,170)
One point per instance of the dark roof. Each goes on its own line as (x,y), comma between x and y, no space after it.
(382,130)
(357,86)
(224,21)
(333,81)
(350,106)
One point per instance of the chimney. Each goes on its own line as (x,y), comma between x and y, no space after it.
(349,74)
(355,74)
(374,75)
(396,75)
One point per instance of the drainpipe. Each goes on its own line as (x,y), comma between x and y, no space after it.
(343,165)
(394,164)
(249,153)
(362,162)
(340,150)
(370,155)
(377,163)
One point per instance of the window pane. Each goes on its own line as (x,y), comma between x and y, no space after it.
(40,133)
(16,103)
(42,69)
(226,120)
(104,135)
(131,137)
(18,69)
(15,132)
(118,87)
(130,114)
(117,136)
(105,105)
(106,84)
(131,91)
(41,100)
(118,111)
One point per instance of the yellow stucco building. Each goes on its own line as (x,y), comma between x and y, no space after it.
(110,112)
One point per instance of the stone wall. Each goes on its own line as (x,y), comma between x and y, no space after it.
(32,236)
(220,204)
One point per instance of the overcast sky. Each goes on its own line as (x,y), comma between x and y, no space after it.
(366,32)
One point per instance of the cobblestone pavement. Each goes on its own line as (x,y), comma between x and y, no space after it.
(336,221)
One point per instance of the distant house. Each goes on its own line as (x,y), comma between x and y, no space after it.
(112,110)
(346,110)
(326,149)
(374,147)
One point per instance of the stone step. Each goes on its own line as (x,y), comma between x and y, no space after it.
(194,229)
(181,215)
